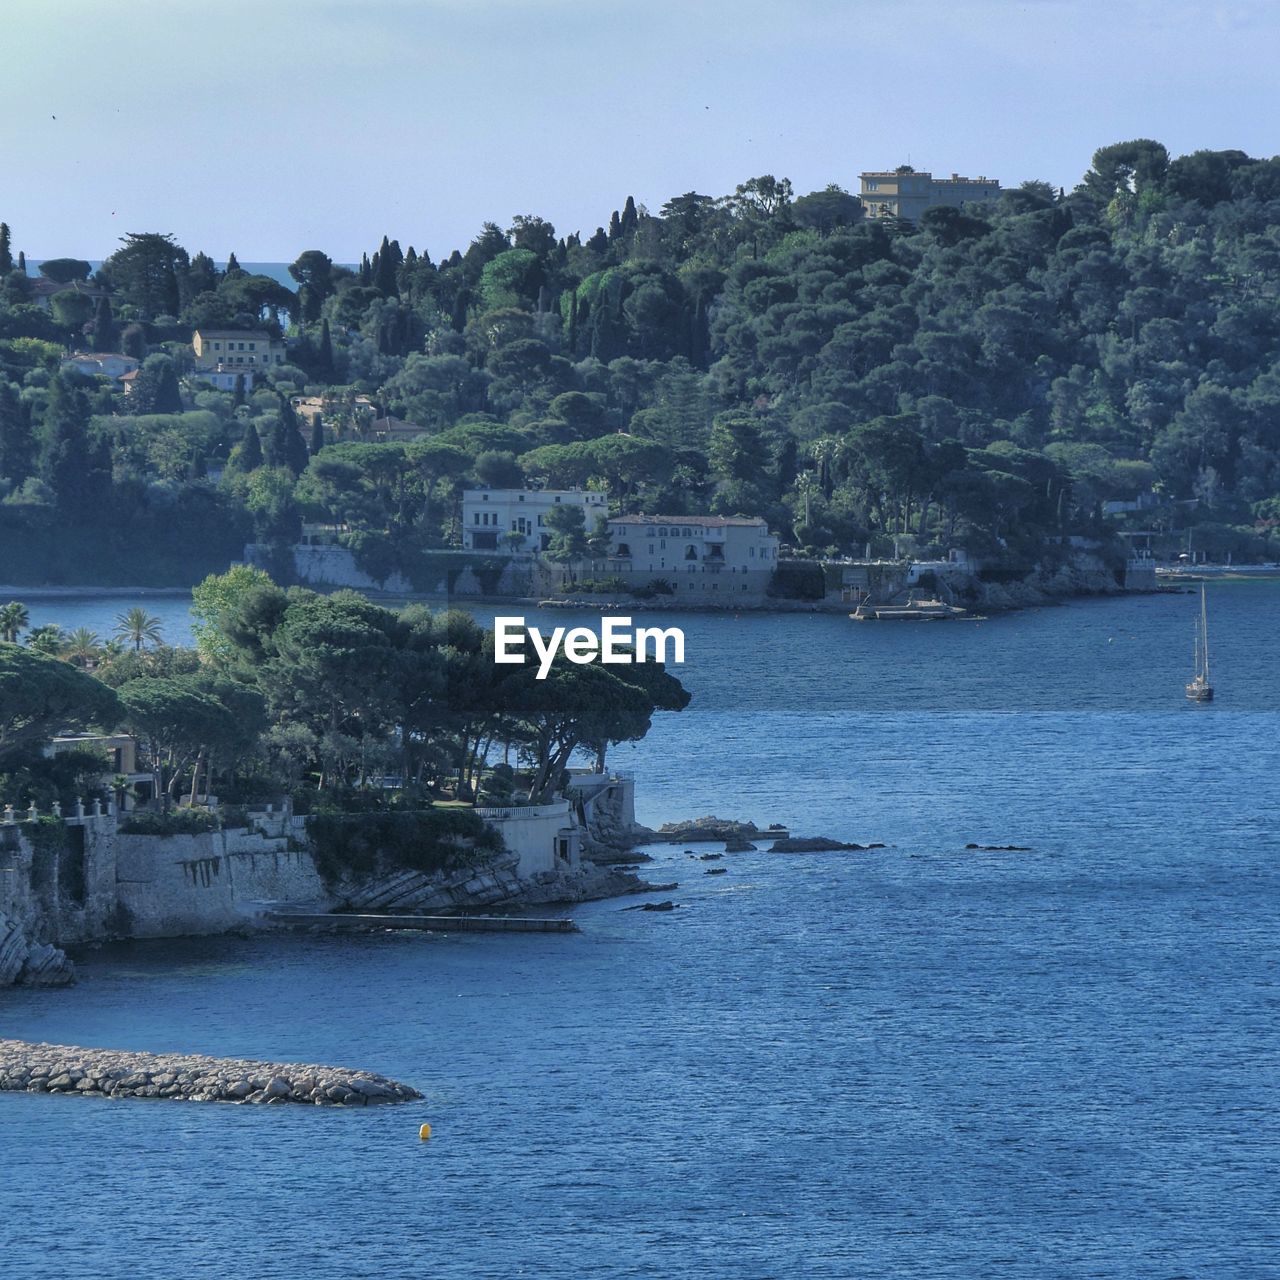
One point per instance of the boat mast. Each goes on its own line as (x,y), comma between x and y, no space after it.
(1204,631)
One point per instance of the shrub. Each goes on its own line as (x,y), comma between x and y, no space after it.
(180,822)
(430,840)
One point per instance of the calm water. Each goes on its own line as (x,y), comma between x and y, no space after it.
(918,1062)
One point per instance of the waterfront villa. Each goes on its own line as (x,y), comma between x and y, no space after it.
(715,558)
(514,521)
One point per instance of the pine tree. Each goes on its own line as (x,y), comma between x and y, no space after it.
(6,254)
(104,334)
(317,434)
(599,243)
(17,444)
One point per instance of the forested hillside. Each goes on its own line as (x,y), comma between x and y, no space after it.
(984,379)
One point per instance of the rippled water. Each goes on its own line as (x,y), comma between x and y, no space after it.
(922,1061)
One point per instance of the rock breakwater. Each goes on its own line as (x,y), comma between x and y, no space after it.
(115,1073)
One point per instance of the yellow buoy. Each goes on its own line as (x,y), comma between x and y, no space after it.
(425,1132)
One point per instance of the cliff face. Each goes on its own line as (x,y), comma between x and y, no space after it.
(24,962)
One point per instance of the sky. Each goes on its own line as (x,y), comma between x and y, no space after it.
(266,127)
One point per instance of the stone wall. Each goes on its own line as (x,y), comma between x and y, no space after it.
(168,886)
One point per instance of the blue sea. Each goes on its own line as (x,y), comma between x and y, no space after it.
(922,1061)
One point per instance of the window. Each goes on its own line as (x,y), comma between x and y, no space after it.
(691,553)
(477,519)
(540,522)
(624,549)
(253,346)
(873,186)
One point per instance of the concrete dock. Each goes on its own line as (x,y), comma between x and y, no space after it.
(442,924)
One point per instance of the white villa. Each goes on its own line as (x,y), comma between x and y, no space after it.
(488,515)
(716,557)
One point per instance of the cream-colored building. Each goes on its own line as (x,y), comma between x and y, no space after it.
(236,350)
(725,558)
(515,520)
(907,194)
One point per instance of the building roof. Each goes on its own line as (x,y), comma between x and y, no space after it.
(236,333)
(924,173)
(705,522)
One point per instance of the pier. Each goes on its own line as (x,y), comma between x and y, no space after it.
(442,924)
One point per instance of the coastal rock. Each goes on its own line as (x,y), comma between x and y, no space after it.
(736,844)
(55,1068)
(716,871)
(666,905)
(817,844)
(27,963)
(999,848)
(712,829)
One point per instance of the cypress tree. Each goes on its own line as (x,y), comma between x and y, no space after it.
(65,461)
(630,218)
(232,264)
(366,271)
(172,297)
(324,357)
(238,395)
(384,270)
(6,254)
(105,334)
(17,444)
(615,226)
(249,456)
(317,434)
(287,449)
(599,243)
(22,262)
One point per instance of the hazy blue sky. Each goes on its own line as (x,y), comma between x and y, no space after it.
(270,126)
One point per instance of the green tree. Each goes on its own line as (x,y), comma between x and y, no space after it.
(40,696)
(217,600)
(66,463)
(144,272)
(138,627)
(17,443)
(14,619)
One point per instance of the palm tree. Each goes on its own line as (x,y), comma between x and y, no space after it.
(47,639)
(14,619)
(82,648)
(138,627)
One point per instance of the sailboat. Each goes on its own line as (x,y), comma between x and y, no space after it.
(1200,690)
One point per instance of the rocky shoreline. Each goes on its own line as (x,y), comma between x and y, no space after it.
(114,1073)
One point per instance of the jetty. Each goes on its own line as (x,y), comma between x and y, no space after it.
(912,611)
(443,924)
(121,1073)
